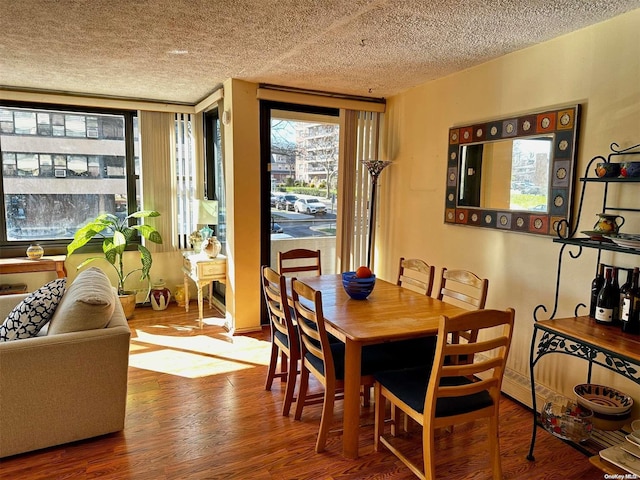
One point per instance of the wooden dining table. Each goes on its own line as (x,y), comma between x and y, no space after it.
(389,313)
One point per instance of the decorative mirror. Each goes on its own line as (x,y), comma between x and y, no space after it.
(515,173)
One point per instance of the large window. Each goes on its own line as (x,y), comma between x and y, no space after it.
(60,168)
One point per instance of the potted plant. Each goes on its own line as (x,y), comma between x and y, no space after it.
(118,234)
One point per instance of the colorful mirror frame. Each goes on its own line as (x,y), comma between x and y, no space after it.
(563,124)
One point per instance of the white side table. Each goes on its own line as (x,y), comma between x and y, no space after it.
(202,270)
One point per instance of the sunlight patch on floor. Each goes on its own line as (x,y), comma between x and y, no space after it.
(184,364)
(192,355)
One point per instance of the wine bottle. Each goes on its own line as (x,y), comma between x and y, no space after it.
(624,288)
(607,300)
(596,285)
(630,316)
(616,294)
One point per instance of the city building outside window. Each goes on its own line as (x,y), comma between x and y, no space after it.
(62,167)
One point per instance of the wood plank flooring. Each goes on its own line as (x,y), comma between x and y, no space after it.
(197,409)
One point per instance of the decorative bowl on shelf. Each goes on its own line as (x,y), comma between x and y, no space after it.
(603,399)
(630,169)
(566,419)
(610,422)
(356,287)
(607,170)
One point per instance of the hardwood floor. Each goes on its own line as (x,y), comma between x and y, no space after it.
(197,409)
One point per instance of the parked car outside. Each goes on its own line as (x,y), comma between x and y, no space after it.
(275,197)
(309,205)
(286,202)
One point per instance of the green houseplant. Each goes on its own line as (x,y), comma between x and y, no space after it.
(117,236)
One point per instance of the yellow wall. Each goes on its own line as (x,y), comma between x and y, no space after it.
(242,175)
(598,67)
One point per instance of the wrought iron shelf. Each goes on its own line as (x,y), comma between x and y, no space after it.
(567,231)
(579,336)
(582,337)
(611,180)
(586,242)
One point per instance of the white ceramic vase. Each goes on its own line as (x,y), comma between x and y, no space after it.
(211,246)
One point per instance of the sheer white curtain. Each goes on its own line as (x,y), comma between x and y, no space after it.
(171,159)
(359,141)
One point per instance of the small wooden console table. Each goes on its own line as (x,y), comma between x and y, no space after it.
(202,270)
(582,337)
(53,263)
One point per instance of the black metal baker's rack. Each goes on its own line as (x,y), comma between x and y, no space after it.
(568,238)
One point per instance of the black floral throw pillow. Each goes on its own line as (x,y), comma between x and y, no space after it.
(32,313)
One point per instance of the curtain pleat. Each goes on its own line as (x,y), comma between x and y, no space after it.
(172,174)
(157,145)
(359,141)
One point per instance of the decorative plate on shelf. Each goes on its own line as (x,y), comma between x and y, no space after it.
(634,437)
(631,447)
(603,399)
(622,459)
(596,236)
(626,240)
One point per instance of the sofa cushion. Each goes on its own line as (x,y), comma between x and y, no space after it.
(33,312)
(88,304)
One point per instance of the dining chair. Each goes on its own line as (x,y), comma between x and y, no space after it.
(324,359)
(468,290)
(416,275)
(299,260)
(442,395)
(284,336)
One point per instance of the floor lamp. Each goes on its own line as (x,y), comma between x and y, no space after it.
(375,167)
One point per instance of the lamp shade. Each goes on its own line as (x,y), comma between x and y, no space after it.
(207,212)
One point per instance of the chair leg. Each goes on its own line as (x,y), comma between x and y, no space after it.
(494,448)
(429,451)
(290,388)
(327,415)
(302,392)
(379,407)
(271,373)
(284,364)
(395,418)
(366,395)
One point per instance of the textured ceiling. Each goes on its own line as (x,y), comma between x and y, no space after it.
(182,50)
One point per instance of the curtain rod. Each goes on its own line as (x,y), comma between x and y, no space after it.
(320,93)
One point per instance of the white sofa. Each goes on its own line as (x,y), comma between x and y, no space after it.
(62,387)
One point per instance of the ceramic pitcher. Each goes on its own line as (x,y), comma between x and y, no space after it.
(608,223)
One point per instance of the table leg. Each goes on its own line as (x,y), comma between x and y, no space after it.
(61,270)
(210,293)
(351,421)
(200,301)
(186,293)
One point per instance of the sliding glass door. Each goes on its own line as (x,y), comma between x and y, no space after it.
(299,153)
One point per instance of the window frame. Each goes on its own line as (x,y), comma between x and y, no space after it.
(13,248)
(214,181)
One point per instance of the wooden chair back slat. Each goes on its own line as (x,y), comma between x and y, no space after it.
(416,275)
(299,260)
(465,289)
